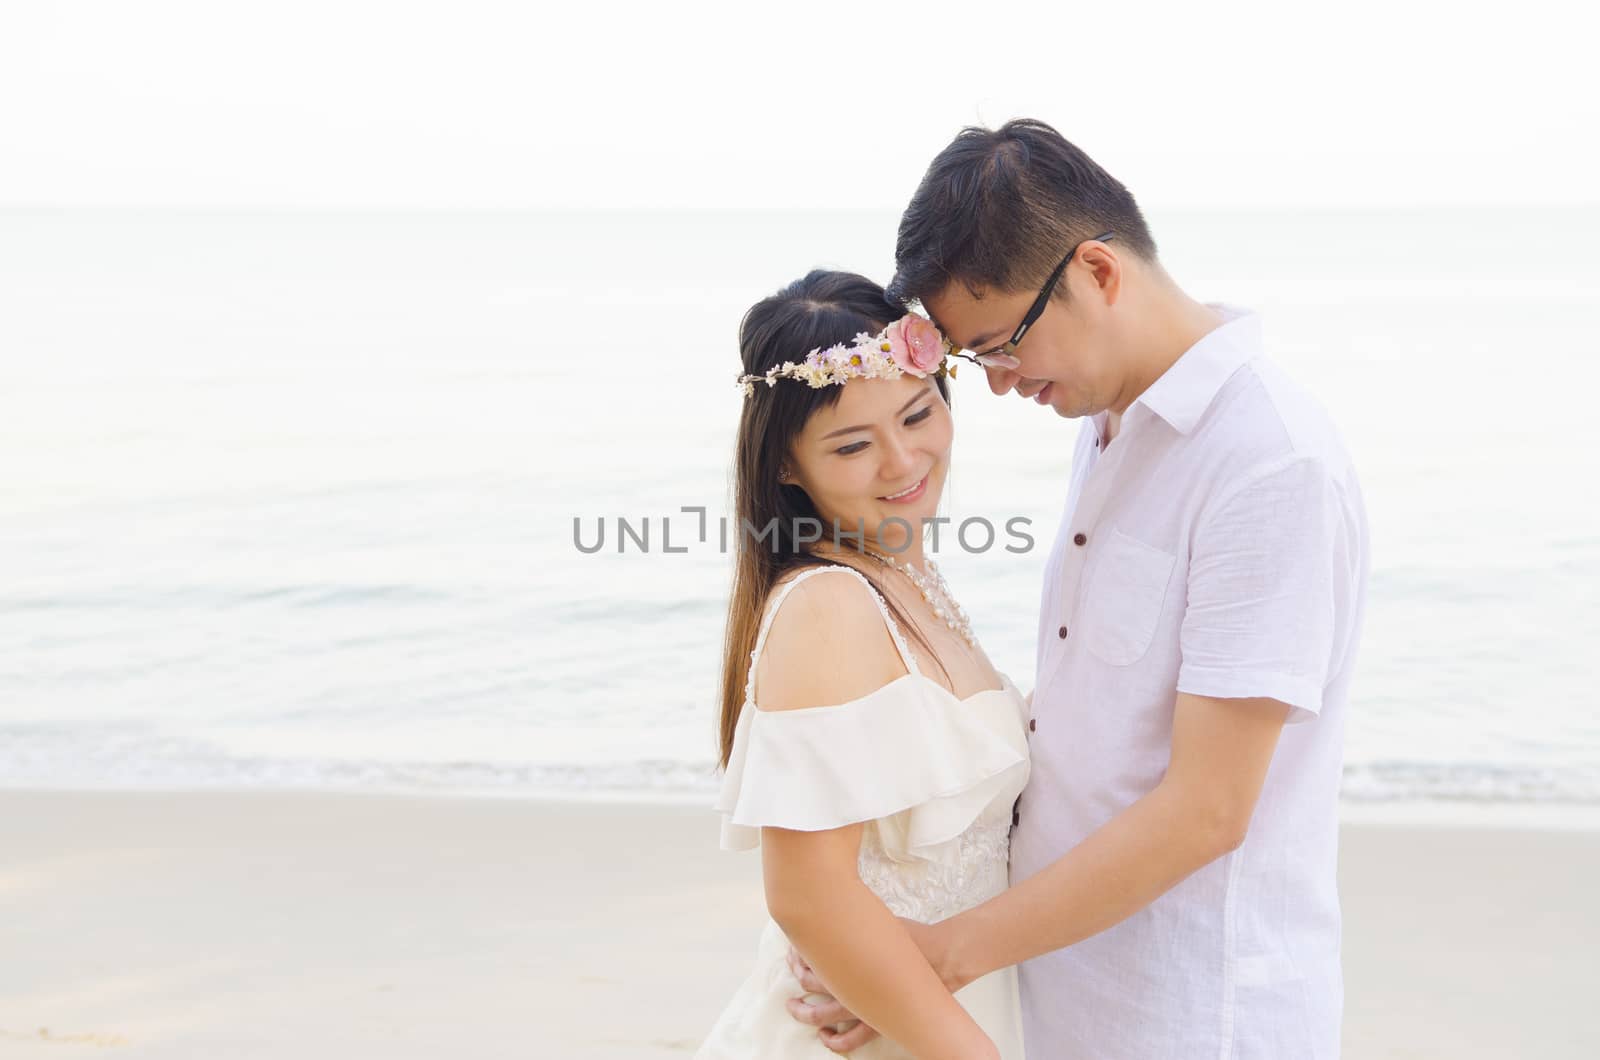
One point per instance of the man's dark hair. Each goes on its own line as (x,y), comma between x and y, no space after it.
(999,208)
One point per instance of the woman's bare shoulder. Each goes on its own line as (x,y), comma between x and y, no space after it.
(828,645)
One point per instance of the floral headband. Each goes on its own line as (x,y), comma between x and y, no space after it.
(911,345)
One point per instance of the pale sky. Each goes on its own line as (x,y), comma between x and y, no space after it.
(334,103)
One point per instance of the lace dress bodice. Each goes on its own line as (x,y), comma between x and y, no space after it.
(931,891)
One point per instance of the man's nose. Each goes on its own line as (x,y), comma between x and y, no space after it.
(1001,379)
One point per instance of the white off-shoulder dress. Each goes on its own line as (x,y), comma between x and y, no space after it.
(934,776)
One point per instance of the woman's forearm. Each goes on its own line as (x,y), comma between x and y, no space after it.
(874,968)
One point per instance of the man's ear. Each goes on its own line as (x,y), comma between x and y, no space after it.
(1105,269)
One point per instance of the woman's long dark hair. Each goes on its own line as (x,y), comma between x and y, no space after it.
(817,311)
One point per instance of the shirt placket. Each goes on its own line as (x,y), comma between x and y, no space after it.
(1081,535)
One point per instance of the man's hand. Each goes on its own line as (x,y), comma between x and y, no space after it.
(838,1027)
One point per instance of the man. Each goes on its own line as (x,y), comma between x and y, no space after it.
(1173,859)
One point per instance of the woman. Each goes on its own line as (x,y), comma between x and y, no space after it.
(876,770)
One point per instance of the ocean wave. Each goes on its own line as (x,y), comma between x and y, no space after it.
(139,598)
(129,756)
(132,756)
(1470,782)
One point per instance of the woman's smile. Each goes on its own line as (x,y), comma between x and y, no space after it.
(910,493)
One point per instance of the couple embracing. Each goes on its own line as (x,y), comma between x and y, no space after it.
(1137,860)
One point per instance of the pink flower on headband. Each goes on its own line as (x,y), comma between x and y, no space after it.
(910,346)
(915,344)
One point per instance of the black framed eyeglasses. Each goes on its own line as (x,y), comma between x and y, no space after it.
(1037,309)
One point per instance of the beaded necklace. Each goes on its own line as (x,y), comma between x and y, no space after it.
(936,591)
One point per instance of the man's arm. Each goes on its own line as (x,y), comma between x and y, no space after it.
(1221,750)
(1262,619)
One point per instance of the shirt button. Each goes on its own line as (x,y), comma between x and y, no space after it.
(1016,818)
(1080,539)
(1062,632)
(1032,724)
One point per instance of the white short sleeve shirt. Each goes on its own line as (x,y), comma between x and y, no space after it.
(1217,546)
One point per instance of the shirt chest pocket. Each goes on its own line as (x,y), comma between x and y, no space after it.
(1122,603)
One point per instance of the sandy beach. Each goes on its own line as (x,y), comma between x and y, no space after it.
(247,925)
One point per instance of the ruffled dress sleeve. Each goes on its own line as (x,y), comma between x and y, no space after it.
(909,755)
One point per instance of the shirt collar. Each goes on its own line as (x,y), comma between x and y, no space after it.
(1185,390)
